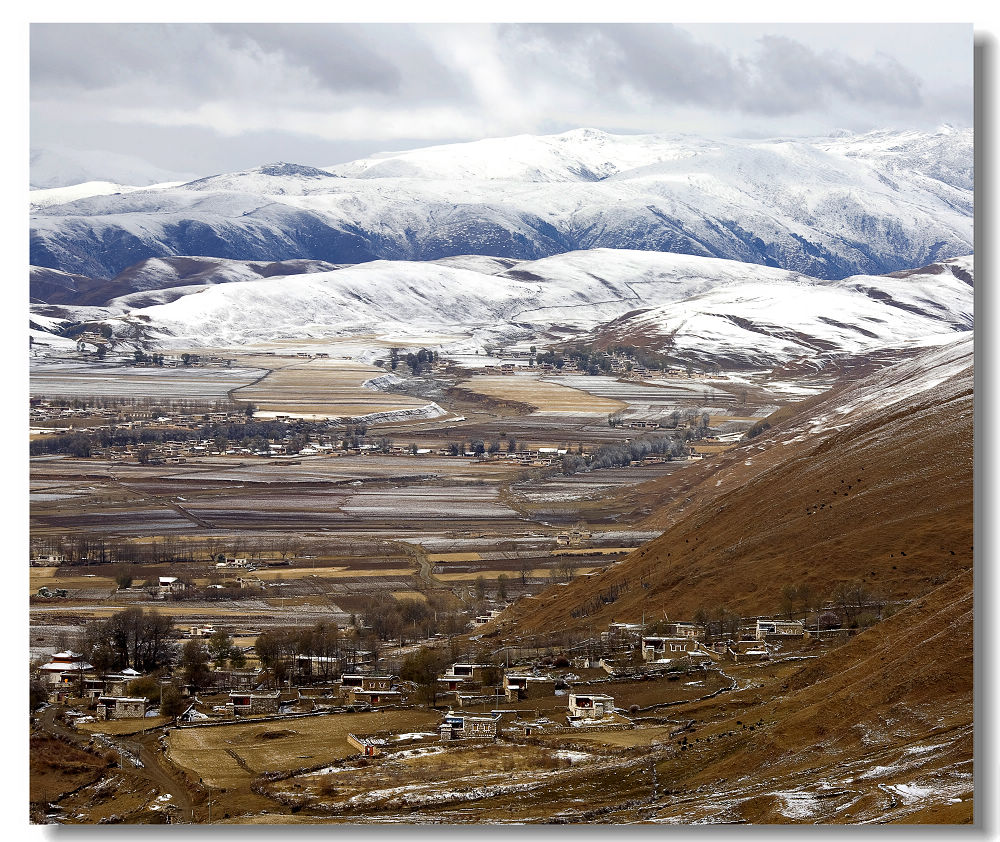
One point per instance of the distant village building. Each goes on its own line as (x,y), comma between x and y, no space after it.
(574,537)
(120,707)
(368,746)
(585,707)
(779,628)
(748,652)
(65,668)
(655,648)
(170,584)
(252,704)
(469,727)
(47,560)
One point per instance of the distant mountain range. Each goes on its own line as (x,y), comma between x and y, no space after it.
(56,167)
(827,207)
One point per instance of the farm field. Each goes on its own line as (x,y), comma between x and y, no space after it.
(651,395)
(59,378)
(217,753)
(326,388)
(548,396)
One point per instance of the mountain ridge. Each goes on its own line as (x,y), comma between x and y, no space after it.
(824,207)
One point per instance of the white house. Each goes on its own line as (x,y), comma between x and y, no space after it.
(590,706)
(170,584)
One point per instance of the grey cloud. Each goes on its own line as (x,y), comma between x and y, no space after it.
(785,77)
(668,65)
(338,56)
(350,88)
(196,61)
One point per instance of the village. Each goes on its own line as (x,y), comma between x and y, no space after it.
(360,698)
(326,589)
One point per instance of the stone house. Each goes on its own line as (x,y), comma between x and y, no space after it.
(120,707)
(779,628)
(252,704)
(590,706)
(657,648)
(469,727)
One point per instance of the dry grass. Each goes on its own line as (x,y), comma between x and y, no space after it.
(412,595)
(49,577)
(438,558)
(57,768)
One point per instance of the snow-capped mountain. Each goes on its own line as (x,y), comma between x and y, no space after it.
(53,166)
(695,308)
(45,197)
(828,207)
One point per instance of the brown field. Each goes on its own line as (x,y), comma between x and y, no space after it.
(404,595)
(328,388)
(488,574)
(595,551)
(547,396)
(273,746)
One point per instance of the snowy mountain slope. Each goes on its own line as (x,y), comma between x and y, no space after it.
(755,324)
(577,155)
(51,285)
(157,280)
(828,207)
(696,308)
(54,166)
(359,299)
(47,197)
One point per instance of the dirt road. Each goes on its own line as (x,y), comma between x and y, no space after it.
(144,748)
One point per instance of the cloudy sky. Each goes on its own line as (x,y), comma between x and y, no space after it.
(205,98)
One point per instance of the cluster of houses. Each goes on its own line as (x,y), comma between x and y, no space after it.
(685,640)
(620,364)
(462,685)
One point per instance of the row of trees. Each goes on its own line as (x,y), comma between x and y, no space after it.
(852,602)
(417,362)
(153,405)
(480,447)
(253,435)
(81,548)
(620,455)
(691,417)
(409,619)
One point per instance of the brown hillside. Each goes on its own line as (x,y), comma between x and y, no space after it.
(849,489)
(878,730)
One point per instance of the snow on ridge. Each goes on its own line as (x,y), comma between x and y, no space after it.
(803,204)
(714,307)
